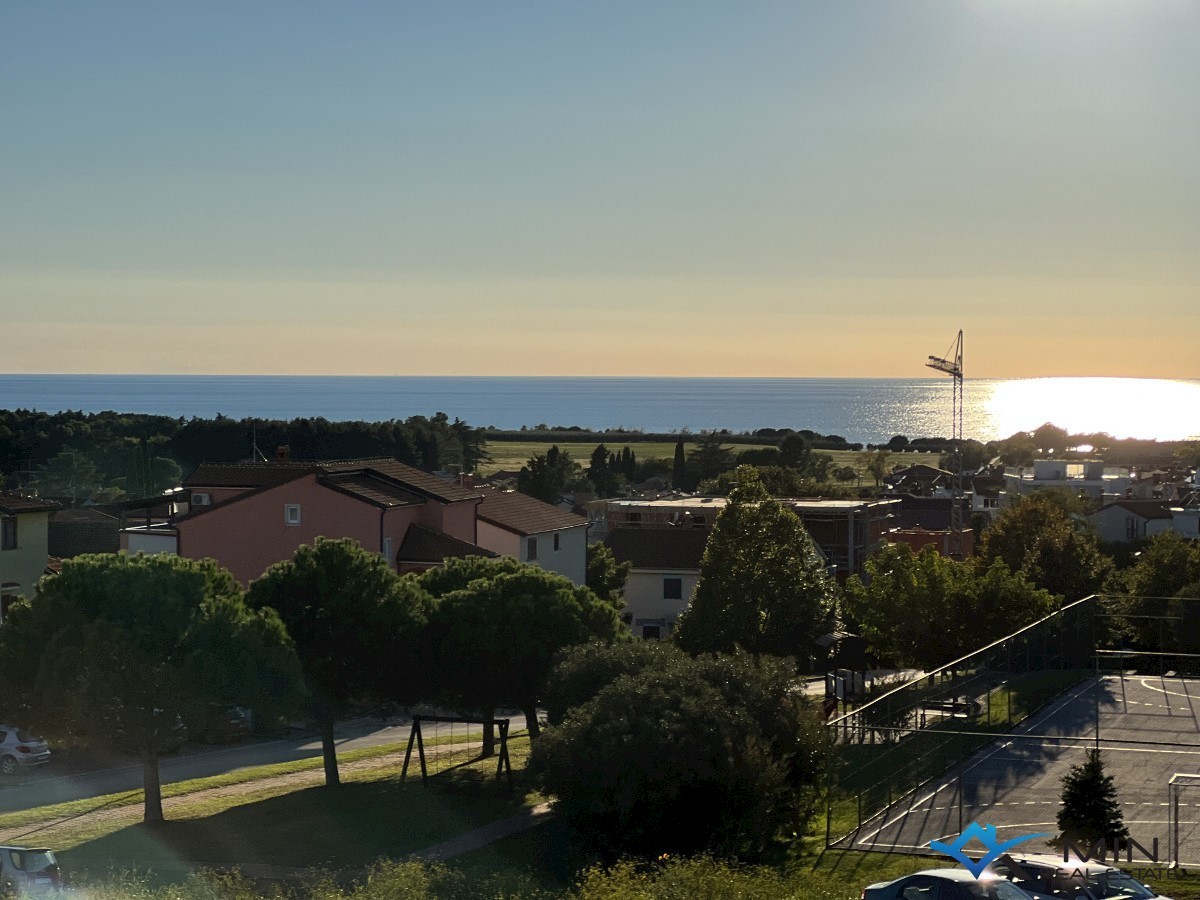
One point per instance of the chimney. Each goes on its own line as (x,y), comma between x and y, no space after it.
(283,453)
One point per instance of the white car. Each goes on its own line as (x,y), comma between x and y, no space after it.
(1047,877)
(20,750)
(29,872)
(944,884)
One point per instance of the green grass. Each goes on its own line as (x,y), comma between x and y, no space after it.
(373,814)
(511,455)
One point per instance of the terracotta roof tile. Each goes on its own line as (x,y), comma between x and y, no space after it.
(522,514)
(420,545)
(12,504)
(659,548)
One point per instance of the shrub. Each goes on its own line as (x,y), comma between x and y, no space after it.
(715,754)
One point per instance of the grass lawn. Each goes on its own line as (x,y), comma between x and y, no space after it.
(511,455)
(263,821)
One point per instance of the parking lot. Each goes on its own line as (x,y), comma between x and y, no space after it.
(1149,730)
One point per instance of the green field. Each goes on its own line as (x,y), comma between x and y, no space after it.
(511,455)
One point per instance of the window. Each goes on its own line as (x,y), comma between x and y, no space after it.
(387,550)
(556,542)
(651,633)
(291,514)
(531,548)
(1131,528)
(672,588)
(8,533)
(6,600)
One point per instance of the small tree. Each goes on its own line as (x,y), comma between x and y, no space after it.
(763,584)
(605,576)
(112,651)
(1090,811)
(355,624)
(875,465)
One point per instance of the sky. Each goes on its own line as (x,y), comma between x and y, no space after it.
(628,187)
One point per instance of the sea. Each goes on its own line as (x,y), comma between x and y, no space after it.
(867,410)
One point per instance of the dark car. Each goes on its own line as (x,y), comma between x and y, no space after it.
(224,723)
(169,736)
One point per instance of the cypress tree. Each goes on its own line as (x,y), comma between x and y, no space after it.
(679,466)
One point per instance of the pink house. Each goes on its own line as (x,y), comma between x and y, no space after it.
(249,516)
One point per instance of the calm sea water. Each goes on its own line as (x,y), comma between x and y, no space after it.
(860,409)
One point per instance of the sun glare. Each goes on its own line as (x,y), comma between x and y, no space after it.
(1121,407)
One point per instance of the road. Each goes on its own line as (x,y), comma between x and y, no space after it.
(58,783)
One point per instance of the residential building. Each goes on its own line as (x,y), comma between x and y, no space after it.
(665,568)
(24,545)
(249,516)
(845,531)
(83,530)
(1086,478)
(514,524)
(1131,520)
(917,538)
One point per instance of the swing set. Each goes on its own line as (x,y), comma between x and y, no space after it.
(442,753)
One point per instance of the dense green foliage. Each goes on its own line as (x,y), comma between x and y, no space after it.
(495,628)
(109,654)
(1164,581)
(926,610)
(714,753)
(69,453)
(763,585)
(605,576)
(357,628)
(1043,536)
(581,672)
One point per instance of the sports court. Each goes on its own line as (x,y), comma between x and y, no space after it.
(1149,728)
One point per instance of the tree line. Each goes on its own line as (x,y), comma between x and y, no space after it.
(77,455)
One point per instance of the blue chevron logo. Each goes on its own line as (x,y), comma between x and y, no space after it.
(986,835)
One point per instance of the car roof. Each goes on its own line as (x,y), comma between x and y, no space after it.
(948,874)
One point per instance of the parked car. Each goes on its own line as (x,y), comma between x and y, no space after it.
(170,737)
(225,723)
(944,884)
(28,871)
(1047,877)
(20,750)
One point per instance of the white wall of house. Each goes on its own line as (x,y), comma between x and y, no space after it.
(140,540)
(1117,524)
(1186,522)
(563,551)
(22,566)
(649,600)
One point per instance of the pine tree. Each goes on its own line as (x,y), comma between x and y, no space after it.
(1090,810)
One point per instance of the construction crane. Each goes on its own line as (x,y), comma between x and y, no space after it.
(952,364)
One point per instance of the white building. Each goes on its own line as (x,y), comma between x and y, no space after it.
(1131,520)
(1088,478)
(514,524)
(665,568)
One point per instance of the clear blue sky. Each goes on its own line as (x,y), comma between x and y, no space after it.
(684,188)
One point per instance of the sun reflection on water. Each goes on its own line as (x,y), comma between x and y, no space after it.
(1122,407)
